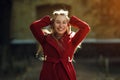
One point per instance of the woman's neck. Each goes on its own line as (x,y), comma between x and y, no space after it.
(58,36)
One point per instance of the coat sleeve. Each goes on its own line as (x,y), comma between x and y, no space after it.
(36,28)
(82,32)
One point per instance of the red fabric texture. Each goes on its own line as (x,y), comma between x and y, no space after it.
(57,65)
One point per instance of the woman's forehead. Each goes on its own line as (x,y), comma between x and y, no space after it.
(61,17)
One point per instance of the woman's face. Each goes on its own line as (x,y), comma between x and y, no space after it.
(60,24)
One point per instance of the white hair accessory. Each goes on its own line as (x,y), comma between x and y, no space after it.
(60,12)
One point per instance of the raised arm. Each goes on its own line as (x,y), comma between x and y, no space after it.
(82,32)
(36,28)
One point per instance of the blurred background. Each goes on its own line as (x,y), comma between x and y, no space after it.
(99,55)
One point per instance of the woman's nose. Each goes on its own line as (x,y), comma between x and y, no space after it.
(61,25)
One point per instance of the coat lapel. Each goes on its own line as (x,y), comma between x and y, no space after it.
(54,43)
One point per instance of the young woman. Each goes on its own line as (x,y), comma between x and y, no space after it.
(59,46)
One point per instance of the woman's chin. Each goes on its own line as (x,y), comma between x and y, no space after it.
(61,33)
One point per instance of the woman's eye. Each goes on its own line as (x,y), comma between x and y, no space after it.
(64,22)
(57,22)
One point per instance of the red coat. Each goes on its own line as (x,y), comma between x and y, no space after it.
(57,65)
